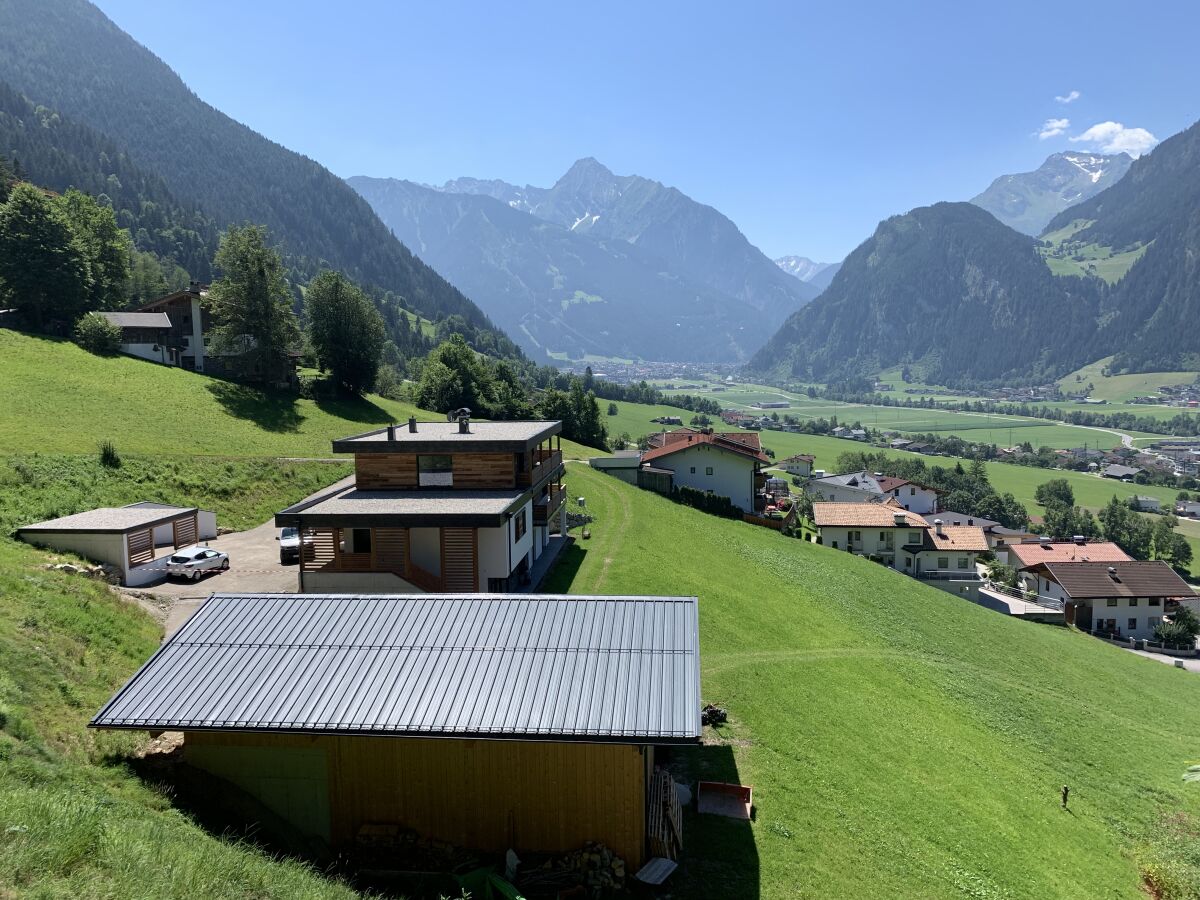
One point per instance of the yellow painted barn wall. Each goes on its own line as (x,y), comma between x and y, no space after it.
(488,795)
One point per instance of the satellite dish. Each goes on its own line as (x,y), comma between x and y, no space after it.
(455,414)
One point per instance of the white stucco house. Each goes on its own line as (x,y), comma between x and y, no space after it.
(724,464)
(873,487)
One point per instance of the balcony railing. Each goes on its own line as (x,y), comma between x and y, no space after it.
(544,463)
(545,507)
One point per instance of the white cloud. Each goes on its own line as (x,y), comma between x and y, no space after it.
(1113,137)
(1069,98)
(1053,128)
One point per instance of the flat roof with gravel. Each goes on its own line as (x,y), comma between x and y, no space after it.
(111,519)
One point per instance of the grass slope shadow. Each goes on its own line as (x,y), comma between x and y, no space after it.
(271,411)
(720,857)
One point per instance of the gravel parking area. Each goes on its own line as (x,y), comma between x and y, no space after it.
(254,567)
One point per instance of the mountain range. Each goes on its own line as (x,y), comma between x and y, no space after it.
(66,56)
(598,263)
(1028,201)
(817,274)
(952,290)
(800,266)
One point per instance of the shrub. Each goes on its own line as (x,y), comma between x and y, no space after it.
(96,334)
(109,457)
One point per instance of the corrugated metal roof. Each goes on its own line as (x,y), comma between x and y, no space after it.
(535,667)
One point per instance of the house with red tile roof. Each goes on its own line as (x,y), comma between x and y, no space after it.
(725,464)
(1027,556)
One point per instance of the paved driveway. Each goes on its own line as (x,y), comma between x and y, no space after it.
(254,567)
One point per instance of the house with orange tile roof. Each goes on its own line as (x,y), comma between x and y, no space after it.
(878,530)
(946,552)
(724,464)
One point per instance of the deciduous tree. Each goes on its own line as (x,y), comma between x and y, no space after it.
(345,330)
(251,305)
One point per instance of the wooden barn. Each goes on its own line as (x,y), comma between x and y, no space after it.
(486,721)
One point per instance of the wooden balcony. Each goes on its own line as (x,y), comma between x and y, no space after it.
(546,507)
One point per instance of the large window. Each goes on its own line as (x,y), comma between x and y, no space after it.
(435,471)
(962,562)
(943,562)
(520,524)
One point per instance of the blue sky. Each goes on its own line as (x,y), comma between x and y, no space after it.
(804,123)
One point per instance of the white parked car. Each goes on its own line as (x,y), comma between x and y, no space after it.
(193,562)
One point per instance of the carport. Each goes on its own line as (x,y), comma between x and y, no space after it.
(122,536)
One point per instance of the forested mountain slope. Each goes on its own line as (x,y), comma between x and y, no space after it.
(556,290)
(66,55)
(1156,306)
(57,153)
(947,287)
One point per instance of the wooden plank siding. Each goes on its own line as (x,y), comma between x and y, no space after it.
(141,546)
(460,559)
(391,471)
(482,794)
(183,531)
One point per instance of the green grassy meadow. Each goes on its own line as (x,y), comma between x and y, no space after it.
(75,822)
(901,741)
(1120,388)
(60,399)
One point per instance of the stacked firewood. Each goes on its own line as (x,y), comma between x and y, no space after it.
(595,868)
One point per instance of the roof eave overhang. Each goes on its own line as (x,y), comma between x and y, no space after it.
(542,737)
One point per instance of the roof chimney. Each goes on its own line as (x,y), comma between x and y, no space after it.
(464,425)
(1044,540)
(391,432)
(1079,539)
(937,526)
(1112,573)
(412,424)
(899,519)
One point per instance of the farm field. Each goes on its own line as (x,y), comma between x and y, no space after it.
(983,427)
(900,741)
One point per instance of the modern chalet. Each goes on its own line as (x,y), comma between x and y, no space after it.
(458,506)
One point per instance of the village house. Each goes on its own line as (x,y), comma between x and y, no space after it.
(878,530)
(188,321)
(872,487)
(1026,557)
(946,552)
(725,464)
(800,465)
(1118,599)
(1188,508)
(488,722)
(144,335)
(1119,472)
(998,536)
(1146,504)
(437,506)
